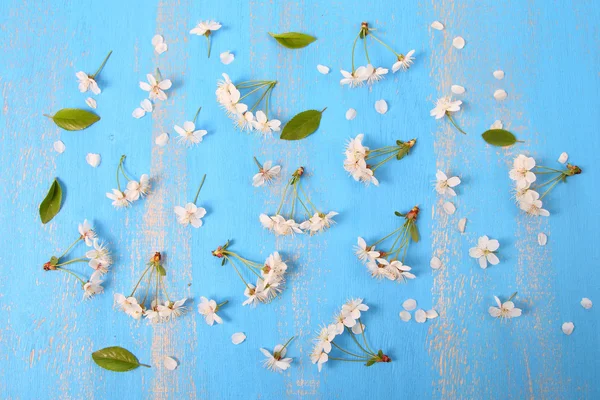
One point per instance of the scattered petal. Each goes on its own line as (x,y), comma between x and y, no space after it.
(431,314)
(420,316)
(138,113)
(435,263)
(458,42)
(457,89)
(59,146)
(497,125)
(409,304)
(567,328)
(500,94)
(238,338)
(563,158)
(157,39)
(449,208)
(586,303)
(405,316)
(437,25)
(146,105)
(323,69)
(170,363)
(350,114)
(499,74)
(162,139)
(93,159)
(226,57)
(462,223)
(542,239)
(381,106)
(91,103)
(161,48)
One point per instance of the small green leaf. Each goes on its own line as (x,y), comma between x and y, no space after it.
(116,359)
(53,260)
(50,206)
(398,214)
(74,119)
(414,233)
(302,125)
(370,362)
(499,137)
(224,261)
(380,353)
(161,270)
(402,152)
(293,40)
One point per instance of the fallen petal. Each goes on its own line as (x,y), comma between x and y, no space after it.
(238,338)
(586,303)
(497,125)
(542,239)
(458,42)
(462,223)
(500,94)
(161,48)
(226,57)
(420,316)
(409,304)
(93,159)
(405,316)
(59,146)
(91,103)
(499,74)
(138,113)
(457,89)
(567,328)
(381,106)
(449,208)
(431,314)
(563,158)
(323,69)
(157,39)
(170,363)
(435,263)
(162,139)
(350,114)
(437,25)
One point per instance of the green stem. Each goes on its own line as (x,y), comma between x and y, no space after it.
(102,65)
(138,282)
(362,330)
(512,297)
(345,359)
(454,123)
(366,51)
(208,44)
(550,188)
(260,167)
(75,260)
(385,45)
(357,343)
(196,116)
(380,163)
(70,247)
(353,47)
(164,288)
(252,91)
(345,351)
(200,188)
(222,304)
(145,365)
(72,273)
(381,240)
(283,197)
(148,287)
(238,272)
(288,342)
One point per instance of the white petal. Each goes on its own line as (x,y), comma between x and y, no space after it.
(161,48)
(563,158)
(323,69)
(162,139)
(449,208)
(420,316)
(146,105)
(457,89)
(170,363)
(586,303)
(498,74)
(381,106)
(458,42)
(138,113)
(542,239)
(238,338)
(437,25)
(500,94)
(226,57)
(497,125)
(157,39)
(462,223)
(405,316)
(431,314)
(350,114)
(93,159)
(435,263)
(91,103)
(567,328)
(409,304)
(59,146)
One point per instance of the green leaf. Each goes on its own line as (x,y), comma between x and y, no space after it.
(161,270)
(499,137)
(398,214)
(402,152)
(224,261)
(302,125)
(74,119)
(414,232)
(50,206)
(53,260)
(293,40)
(370,362)
(116,359)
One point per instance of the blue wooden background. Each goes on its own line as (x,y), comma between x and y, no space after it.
(549,51)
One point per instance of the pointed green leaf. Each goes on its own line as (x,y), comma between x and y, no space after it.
(398,214)
(53,260)
(161,270)
(402,152)
(499,137)
(224,261)
(302,125)
(414,232)
(293,40)
(370,362)
(116,359)
(74,119)
(50,206)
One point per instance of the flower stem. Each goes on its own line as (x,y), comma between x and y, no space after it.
(73,274)
(283,197)
(200,188)
(208,44)
(75,260)
(260,167)
(138,282)
(454,123)
(345,359)
(362,330)
(288,342)
(102,65)
(222,304)
(512,297)
(381,240)
(380,163)
(556,180)
(366,51)
(253,90)
(238,272)
(345,351)
(70,247)
(196,116)
(357,343)
(385,45)
(353,47)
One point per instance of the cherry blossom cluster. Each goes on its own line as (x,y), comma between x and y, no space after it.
(348,319)
(247,118)
(389,264)
(134,190)
(155,305)
(527,190)
(361,162)
(316,221)
(97,257)
(370,74)
(270,276)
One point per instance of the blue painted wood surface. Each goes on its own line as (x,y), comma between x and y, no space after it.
(549,53)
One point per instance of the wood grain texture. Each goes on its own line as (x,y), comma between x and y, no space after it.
(549,53)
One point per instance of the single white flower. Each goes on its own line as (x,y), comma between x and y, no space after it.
(136,189)
(93,159)
(319,222)
(86,232)
(145,106)
(154,88)
(171,310)
(504,310)
(170,363)
(188,134)
(352,310)
(264,125)
(381,106)
(586,303)
(160,46)
(568,328)
(532,205)
(91,103)
(319,357)
(99,252)
(226,57)
(279,225)
(354,79)
(444,184)
(86,83)
(244,121)
(255,294)
(485,251)
(266,174)
(401,271)
(350,114)
(276,361)
(380,269)
(323,69)
(93,286)
(129,305)
(119,199)
(420,316)
(238,338)
(151,314)
(444,106)
(366,253)
(563,158)
(404,62)
(324,338)
(59,146)
(209,308)
(375,74)
(205,27)
(162,139)
(190,214)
